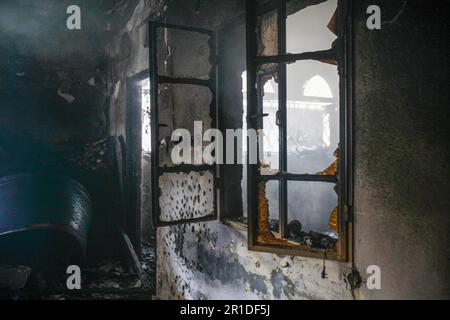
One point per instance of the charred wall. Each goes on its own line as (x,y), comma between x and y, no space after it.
(402,155)
(211,260)
(53,98)
(128,56)
(401,165)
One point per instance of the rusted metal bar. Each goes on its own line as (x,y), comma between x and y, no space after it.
(300,177)
(293,57)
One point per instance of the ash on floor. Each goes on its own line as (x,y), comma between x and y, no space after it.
(109,280)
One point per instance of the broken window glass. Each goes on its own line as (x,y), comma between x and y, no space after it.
(186,196)
(272,194)
(268,213)
(268,106)
(306,113)
(312,214)
(312,116)
(268,34)
(312,28)
(270,143)
(185,54)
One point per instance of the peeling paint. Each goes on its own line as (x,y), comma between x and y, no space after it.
(281,285)
(211,260)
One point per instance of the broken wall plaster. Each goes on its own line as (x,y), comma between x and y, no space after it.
(230,270)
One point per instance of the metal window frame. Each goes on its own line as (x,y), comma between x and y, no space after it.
(156,81)
(342,53)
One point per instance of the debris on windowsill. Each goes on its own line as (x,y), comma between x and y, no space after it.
(314,240)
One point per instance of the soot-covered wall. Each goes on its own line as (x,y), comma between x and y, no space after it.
(401,166)
(402,156)
(211,260)
(53,102)
(128,56)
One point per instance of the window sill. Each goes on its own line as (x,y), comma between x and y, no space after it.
(308,253)
(238,225)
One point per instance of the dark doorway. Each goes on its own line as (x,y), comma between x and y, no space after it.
(139,214)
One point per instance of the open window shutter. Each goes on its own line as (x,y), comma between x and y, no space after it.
(183,66)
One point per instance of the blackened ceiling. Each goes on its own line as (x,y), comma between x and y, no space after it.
(37,29)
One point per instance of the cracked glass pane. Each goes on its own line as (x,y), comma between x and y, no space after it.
(312,28)
(268,106)
(272,194)
(312,213)
(268,212)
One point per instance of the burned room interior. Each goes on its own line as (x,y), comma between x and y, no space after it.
(350,174)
